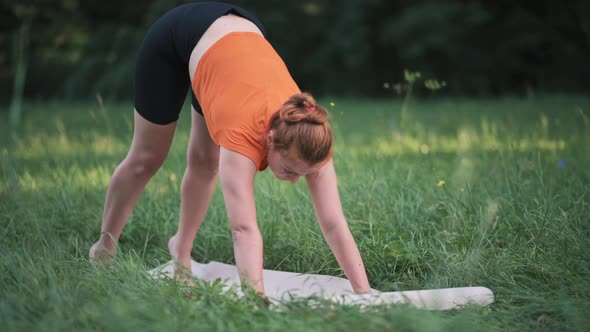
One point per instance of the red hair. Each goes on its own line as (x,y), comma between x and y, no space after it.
(303,124)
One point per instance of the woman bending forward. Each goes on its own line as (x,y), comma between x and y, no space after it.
(247,114)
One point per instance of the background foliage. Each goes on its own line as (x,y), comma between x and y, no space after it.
(76,49)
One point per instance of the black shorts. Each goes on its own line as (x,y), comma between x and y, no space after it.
(161,73)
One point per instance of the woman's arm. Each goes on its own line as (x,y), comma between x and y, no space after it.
(323,188)
(237,182)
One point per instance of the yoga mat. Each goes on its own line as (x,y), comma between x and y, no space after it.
(281,286)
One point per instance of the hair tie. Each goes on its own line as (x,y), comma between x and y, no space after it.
(310,108)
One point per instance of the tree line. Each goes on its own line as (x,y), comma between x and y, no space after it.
(73,49)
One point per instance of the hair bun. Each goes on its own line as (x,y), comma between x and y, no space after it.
(303,107)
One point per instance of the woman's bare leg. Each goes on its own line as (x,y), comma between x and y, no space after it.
(198,185)
(150,146)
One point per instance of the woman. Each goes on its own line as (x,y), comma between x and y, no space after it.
(247,114)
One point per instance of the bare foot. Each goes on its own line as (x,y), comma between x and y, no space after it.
(181,261)
(101,255)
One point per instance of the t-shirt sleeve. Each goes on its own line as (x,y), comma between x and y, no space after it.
(241,142)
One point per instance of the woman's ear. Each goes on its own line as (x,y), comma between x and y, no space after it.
(270,137)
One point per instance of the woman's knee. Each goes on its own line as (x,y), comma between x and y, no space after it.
(204,163)
(144,164)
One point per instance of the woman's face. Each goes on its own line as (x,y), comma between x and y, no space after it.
(285,165)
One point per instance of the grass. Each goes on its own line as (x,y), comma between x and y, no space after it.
(473,192)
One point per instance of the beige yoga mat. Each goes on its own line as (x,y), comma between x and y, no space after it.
(283,286)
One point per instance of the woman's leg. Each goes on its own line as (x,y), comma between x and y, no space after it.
(198,185)
(148,151)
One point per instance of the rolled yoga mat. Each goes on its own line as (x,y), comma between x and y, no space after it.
(283,286)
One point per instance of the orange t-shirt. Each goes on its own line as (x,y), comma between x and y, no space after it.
(240,82)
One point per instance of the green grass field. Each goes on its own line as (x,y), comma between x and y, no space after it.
(491,193)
